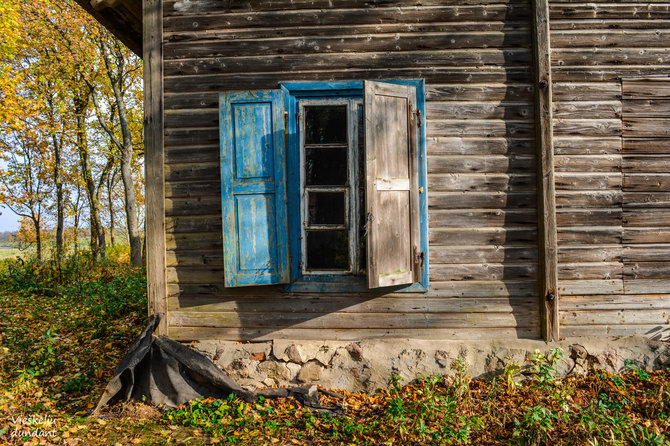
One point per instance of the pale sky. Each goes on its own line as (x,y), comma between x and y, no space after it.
(8,220)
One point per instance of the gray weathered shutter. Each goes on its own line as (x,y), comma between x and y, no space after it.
(392,192)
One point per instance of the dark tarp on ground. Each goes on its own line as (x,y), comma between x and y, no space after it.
(165,373)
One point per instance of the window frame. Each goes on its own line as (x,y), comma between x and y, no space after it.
(294,92)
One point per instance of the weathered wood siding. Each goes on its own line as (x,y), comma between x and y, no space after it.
(611,146)
(476,60)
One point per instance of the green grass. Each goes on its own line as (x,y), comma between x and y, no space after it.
(11,253)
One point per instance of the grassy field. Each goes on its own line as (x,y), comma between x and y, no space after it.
(11,253)
(63,330)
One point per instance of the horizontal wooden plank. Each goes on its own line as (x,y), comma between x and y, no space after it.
(602,38)
(588,199)
(236,334)
(485,271)
(622,316)
(587,110)
(315,31)
(587,127)
(202,257)
(646,127)
(590,271)
(355,304)
(193,224)
(605,73)
(563,11)
(587,145)
(477,200)
(655,331)
(590,253)
(210,44)
(197,7)
(482,218)
(445,145)
(646,235)
(654,89)
(193,154)
(646,199)
(472,127)
(341,61)
(587,163)
(478,110)
(583,287)
(194,241)
(195,172)
(480,288)
(187,189)
(466,253)
(609,56)
(248,80)
(646,108)
(637,182)
(613,24)
(481,164)
(191,118)
(503,182)
(647,253)
(649,218)
(652,146)
(615,302)
(210,205)
(647,270)
(335,320)
(647,286)
(586,91)
(482,237)
(576,235)
(589,217)
(217,19)
(480,92)
(192,137)
(587,181)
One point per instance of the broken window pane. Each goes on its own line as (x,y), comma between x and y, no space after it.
(326,167)
(326,208)
(327,250)
(326,124)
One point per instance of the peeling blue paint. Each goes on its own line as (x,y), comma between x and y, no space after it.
(253,185)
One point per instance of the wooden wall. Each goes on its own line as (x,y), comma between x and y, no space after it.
(476,60)
(611,153)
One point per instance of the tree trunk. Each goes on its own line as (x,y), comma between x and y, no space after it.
(38,237)
(115,72)
(58,182)
(98,248)
(110,203)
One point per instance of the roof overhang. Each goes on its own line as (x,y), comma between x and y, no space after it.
(123,18)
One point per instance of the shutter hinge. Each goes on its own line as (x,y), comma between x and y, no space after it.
(285,119)
(418,256)
(418,118)
(366,226)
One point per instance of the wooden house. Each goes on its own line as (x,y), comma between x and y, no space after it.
(430,169)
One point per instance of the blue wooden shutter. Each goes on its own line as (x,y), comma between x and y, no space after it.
(253,188)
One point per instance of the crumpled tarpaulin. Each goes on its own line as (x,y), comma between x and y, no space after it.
(164,372)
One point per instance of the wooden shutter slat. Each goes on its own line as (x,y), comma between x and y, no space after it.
(392,195)
(253,185)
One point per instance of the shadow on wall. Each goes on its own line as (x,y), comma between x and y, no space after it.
(520,262)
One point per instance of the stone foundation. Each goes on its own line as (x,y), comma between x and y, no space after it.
(366,366)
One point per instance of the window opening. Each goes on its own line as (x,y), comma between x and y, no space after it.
(332,186)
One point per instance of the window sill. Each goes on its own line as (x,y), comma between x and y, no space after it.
(335,284)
